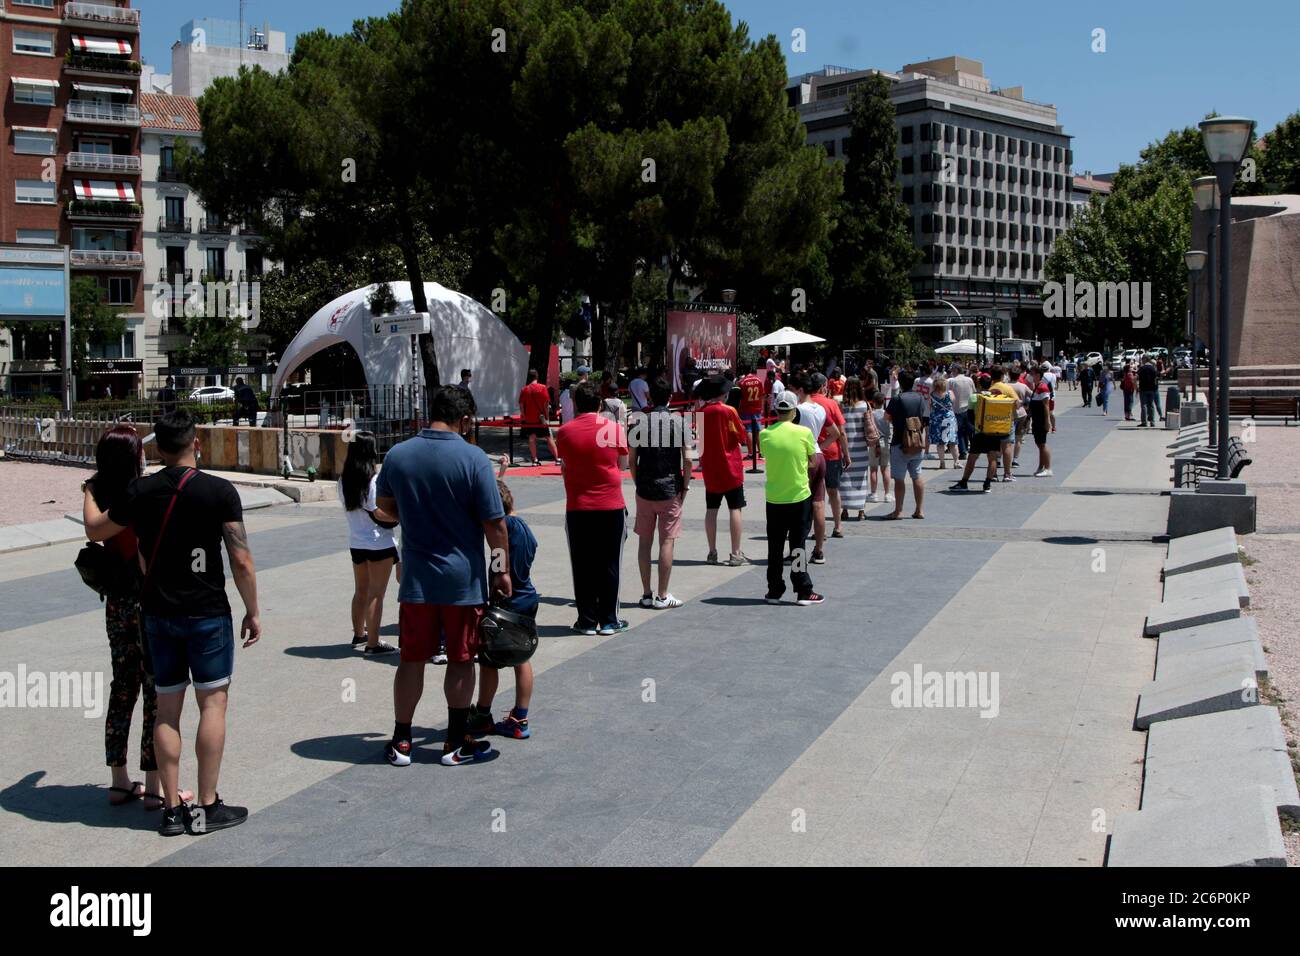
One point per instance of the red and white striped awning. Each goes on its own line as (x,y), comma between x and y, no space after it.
(112,45)
(100,88)
(103,189)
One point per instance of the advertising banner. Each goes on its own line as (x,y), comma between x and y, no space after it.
(703,341)
(33,293)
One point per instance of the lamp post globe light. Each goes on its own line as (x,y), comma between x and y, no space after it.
(1195,260)
(1225,139)
(1205,194)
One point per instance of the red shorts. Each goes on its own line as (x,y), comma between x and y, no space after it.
(817,478)
(422,627)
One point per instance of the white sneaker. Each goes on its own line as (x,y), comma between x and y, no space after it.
(1045,473)
(666,602)
(872,498)
(889,498)
(439,658)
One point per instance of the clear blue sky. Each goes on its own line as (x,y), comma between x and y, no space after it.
(1160,69)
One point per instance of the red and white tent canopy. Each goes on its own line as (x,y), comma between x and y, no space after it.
(110,45)
(103,189)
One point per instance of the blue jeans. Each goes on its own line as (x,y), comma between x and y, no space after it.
(964,431)
(185,647)
(1150,406)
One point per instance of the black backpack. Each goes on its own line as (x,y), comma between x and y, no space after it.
(106,573)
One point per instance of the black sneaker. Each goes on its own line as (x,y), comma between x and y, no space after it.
(818,557)
(380,647)
(173,820)
(358,641)
(960,486)
(215,816)
(987,486)
(810,599)
(480,721)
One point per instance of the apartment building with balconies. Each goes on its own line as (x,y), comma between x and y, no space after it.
(184,244)
(71,171)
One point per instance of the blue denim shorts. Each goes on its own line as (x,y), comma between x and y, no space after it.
(202,648)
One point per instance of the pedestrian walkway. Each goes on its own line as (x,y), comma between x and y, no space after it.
(726,731)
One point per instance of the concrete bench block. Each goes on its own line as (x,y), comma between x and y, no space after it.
(1237,828)
(1221,604)
(1195,552)
(1229,577)
(1230,686)
(1202,647)
(1191,512)
(1198,757)
(1193,414)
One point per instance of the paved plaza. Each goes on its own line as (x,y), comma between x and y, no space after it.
(724,732)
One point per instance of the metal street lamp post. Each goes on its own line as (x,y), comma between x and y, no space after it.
(1195,263)
(1225,139)
(1205,190)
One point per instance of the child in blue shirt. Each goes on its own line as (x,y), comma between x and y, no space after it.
(523,600)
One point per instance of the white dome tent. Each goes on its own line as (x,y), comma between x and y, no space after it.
(465,335)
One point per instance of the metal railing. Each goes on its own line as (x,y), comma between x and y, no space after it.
(214,226)
(89,111)
(173,225)
(177,277)
(169,175)
(106,257)
(102,63)
(101,13)
(104,209)
(391,412)
(111,162)
(206,276)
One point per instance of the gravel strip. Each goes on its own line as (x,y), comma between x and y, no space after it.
(33,492)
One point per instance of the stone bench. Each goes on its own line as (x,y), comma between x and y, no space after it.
(1236,828)
(1195,552)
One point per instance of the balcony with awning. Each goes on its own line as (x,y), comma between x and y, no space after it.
(101,55)
(104,200)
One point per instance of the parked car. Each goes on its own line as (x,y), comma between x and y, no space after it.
(1090,358)
(213,393)
(1158,352)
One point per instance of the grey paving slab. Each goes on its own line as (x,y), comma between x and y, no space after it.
(16,538)
(1232,576)
(1241,632)
(1197,757)
(1239,828)
(1221,605)
(1204,550)
(254,498)
(1180,665)
(1225,687)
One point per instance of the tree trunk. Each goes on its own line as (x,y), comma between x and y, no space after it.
(540,338)
(411,259)
(617,335)
(599,344)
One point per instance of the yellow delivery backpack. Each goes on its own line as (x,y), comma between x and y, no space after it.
(994,414)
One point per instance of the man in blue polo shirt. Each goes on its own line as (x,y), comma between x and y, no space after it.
(444,494)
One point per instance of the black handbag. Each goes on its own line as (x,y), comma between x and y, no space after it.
(106,573)
(505,639)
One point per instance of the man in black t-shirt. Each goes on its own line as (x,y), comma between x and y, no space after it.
(661,470)
(1149,392)
(181,516)
(246,400)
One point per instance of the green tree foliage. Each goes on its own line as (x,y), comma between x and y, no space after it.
(1279,157)
(872,252)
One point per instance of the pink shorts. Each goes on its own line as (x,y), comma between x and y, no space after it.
(667,515)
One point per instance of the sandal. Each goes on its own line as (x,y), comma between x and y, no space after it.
(186,796)
(136,792)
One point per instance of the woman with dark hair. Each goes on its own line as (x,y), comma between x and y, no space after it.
(119,460)
(371,540)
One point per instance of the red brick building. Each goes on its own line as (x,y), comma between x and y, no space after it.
(71,165)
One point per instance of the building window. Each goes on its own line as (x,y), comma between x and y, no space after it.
(925,132)
(34,94)
(104,239)
(907,165)
(950,193)
(830,147)
(1014,232)
(33,143)
(34,191)
(844,147)
(40,42)
(1036,151)
(988,199)
(926,192)
(1024,147)
(906,134)
(47,4)
(38,237)
(1037,178)
(1012,173)
(961,136)
(963,195)
(1013,203)
(121,290)
(216,260)
(1038,206)
(988,140)
(1069,157)
(988,170)
(908,193)
(927,223)
(1002,173)
(949,134)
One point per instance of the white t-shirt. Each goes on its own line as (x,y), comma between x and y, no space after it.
(363,533)
(962,388)
(813,417)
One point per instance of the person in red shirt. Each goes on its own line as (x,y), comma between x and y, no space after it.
(721,437)
(837,452)
(594,452)
(835,386)
(753,394)
(534,412)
